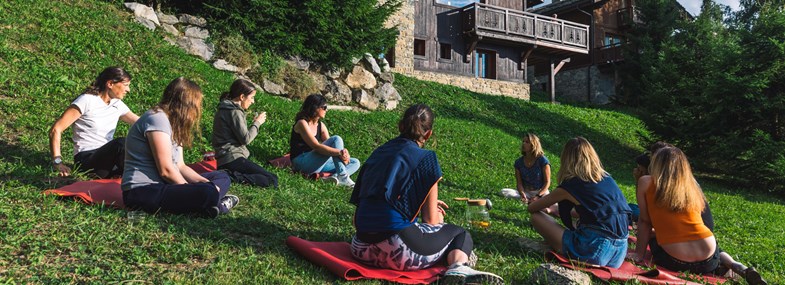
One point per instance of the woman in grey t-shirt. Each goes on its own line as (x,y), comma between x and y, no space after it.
(155,177)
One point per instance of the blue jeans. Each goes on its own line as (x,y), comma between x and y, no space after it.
(595,247)
(314,162)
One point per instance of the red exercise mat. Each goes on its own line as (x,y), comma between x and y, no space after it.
(107,191)
(337,258)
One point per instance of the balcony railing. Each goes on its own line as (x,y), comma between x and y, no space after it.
(609,54)
(524,26)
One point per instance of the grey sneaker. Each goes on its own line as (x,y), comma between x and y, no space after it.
(460,274)
(329,180)
(229,201)
(345,180)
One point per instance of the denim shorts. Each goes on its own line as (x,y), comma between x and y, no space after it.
(593,246)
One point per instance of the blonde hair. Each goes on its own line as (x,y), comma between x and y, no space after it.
(578,159)
(182,103)
(676,188)
(536,146)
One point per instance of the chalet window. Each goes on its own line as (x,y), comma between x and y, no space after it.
(419,47)
(445,51)
(612,40)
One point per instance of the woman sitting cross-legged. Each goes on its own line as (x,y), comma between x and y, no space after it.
(600,236)
(398,184)
(94,115)
(672,204)
(155,177)
(313,150)
(231,135)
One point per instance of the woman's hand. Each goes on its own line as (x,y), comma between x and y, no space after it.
(62,170)
(344,155)
(441,206)
(261,118)
(634,257)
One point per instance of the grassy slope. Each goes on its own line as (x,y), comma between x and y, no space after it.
(48,52)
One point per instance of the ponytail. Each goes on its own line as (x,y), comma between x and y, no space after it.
(112,73)
(239,87)
(416,121)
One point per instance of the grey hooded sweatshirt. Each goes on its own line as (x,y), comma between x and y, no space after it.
(231,133)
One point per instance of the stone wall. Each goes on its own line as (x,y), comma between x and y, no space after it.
(479,85)
(572,85)
(404,61)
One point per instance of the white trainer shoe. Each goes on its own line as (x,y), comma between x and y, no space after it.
(345,180)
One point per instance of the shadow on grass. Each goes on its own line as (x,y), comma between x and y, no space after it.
(29,167)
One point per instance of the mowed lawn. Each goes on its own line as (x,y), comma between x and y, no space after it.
(49,51)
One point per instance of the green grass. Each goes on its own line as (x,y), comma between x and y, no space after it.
(49,51)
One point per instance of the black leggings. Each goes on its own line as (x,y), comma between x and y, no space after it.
(106,161)
(243,170)
(190,198)
(432,243)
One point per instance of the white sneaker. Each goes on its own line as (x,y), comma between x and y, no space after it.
(345,180)
(462,274)
(329,180)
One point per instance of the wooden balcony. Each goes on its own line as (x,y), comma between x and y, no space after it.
(627,17)
(608,54)
(549,35)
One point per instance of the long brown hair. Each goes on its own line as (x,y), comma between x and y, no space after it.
(239,87)
(578,159)
(311,104)
(182,103)
(676,188)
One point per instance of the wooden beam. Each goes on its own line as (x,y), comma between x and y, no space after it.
(561,64)
(552,81)
(471,45)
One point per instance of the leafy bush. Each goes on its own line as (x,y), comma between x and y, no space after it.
(299,83)
(236,50)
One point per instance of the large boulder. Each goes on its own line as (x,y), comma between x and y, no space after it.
(365,100)
(171,29)
(224,65)
(166,18)
(385,65)
(192,20)
(336,91)
(197,47)
(552,274)
(196,32)
(372,65)
(388,96)
(360,78)
(273,88)
(387,77)
(144,14)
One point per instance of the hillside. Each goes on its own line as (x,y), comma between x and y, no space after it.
(49,51)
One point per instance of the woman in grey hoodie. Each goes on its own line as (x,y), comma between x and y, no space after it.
(231,135)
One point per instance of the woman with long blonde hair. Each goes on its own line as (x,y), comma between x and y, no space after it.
(671,202)
(600,236)
(156,177)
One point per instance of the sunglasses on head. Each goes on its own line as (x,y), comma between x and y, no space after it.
(324,107)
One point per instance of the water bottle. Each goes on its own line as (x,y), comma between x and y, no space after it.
(477,216)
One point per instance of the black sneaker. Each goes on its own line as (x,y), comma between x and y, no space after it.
(229,201)
(753,277)
(211,213)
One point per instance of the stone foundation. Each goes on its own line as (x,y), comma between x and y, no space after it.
(479,85)
(572,85)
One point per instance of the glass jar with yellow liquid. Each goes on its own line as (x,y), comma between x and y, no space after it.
(477,214)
